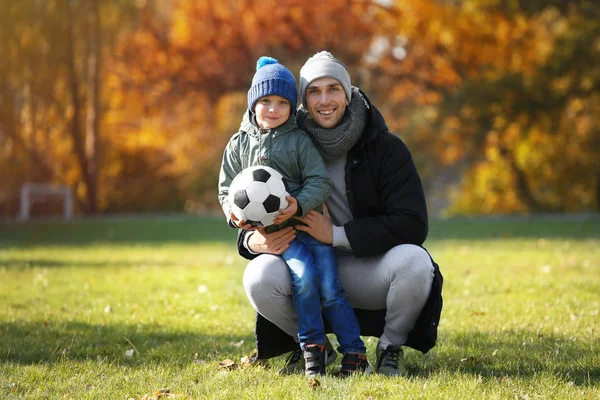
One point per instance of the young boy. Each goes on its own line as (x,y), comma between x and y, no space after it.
(269,136)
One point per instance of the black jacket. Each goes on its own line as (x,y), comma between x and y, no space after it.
(386,198)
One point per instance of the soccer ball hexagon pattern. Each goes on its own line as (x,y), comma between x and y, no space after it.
(257,194)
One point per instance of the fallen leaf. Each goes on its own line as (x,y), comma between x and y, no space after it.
(313,383)
(252,361)
(161,394)
(228,364)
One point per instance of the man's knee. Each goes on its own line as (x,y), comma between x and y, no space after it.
(410,259)
(265,273)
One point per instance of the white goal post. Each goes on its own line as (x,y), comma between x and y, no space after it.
(35,192)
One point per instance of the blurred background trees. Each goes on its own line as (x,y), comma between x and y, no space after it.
(131,102)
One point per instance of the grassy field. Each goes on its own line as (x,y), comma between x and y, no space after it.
(120,308)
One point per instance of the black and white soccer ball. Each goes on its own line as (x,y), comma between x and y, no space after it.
(257,194)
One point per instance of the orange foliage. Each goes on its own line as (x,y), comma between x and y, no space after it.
(183,78)
(500,96)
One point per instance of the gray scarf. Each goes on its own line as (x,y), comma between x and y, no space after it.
(337,141)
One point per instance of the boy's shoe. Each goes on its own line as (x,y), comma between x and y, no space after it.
(314,359)
(390,361)
(355,363)
(294,362)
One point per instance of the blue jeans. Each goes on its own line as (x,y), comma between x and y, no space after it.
(315,282)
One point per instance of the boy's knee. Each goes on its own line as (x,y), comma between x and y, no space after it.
(331,295)
(305,281)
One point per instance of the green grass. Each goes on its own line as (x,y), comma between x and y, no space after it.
(119,308)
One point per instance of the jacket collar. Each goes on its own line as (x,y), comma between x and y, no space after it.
(249,126)
(375,123)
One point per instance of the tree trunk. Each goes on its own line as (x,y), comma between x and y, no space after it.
(75,131)
(85,142)
(93,107)
(521,186)
(598,193)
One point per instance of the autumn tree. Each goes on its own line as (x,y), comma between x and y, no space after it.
(185,73)
(504,93)
(51,99)
(132,102)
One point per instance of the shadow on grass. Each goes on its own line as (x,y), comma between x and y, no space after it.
(514,354)
(48,343)
(189,229)
(150,230)
(508,355)
(15,263)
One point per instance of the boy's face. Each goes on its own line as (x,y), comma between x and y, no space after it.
(272,111)
(326,102)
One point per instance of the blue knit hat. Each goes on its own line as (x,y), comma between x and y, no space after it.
(272,78)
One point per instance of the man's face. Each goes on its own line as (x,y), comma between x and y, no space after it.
(326,102)
(272,111)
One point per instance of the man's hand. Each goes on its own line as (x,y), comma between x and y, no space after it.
(271,243)
(318,225)
(287,212)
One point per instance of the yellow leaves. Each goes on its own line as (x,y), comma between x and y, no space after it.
(490,190)
(454,147)
(180,31)
(161,394)
(230,103)
(314,383)
(252,360)
(248,361)
(228,364)
(574,107)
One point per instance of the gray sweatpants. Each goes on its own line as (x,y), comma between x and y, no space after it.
(399,281)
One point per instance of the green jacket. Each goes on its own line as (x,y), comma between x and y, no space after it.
(288,150)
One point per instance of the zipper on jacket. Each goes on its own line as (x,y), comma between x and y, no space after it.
(351,163)
(261,157)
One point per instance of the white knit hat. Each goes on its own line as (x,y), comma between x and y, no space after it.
(324,65)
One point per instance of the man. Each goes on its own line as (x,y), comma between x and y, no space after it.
(376,218)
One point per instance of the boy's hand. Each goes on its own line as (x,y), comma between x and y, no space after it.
(288,212)
(240,223)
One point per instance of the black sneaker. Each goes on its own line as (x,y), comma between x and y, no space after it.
(355,363)
(390,361)
(314,359)
(294,362)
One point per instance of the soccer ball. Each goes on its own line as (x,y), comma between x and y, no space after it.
(257,194)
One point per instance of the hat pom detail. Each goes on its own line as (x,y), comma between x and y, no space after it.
(272,78)
(265,61)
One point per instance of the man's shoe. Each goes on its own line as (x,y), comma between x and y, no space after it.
(355,363)
(294,362)
(390,361)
